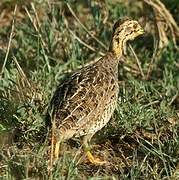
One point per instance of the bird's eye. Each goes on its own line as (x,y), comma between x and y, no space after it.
(135,26)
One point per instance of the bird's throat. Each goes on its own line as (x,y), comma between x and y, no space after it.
(118,47)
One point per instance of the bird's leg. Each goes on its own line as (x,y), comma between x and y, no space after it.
(87,149)
(54,153)
(50,163)
(57,147)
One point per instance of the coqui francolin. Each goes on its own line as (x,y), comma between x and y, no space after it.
(85,102)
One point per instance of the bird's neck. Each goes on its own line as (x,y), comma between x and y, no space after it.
(117,47)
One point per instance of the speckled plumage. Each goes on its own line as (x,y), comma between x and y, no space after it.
(85,102)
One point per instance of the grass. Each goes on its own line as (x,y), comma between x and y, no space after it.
(142,139)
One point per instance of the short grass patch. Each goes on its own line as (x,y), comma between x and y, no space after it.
(49,41)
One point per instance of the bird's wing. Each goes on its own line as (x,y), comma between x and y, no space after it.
(77,97)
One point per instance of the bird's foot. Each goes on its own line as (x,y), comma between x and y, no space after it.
(93,160)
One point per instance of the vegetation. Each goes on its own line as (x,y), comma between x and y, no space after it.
(41,42)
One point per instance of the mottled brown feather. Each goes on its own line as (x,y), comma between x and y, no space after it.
(84,96)
(85,102)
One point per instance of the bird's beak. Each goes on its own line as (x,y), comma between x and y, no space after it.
(141,31)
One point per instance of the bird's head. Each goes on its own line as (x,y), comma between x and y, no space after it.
(123,30)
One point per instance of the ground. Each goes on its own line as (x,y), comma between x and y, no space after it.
(41,44)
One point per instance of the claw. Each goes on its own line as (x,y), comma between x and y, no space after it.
(93,160)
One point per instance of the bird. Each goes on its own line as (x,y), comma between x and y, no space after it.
(85,102)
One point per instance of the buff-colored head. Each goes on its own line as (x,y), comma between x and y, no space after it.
(124,29)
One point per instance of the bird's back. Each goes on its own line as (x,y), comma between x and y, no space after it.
(84,103)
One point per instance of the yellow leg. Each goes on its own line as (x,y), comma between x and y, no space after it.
(57,147)
(93,160)
(90,157)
